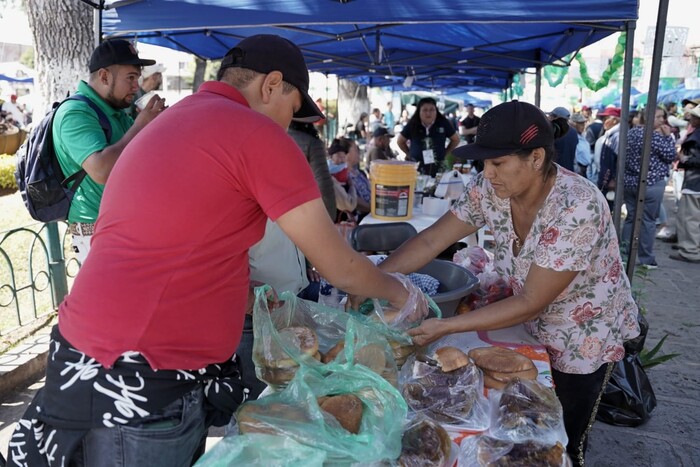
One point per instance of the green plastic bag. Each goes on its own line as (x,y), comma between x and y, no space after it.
(295,413)
(277,356)
(261,449)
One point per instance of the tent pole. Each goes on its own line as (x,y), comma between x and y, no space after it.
(625,104)
(97,22)
(648,129)
(538,85)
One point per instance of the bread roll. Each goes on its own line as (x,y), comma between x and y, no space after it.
(302,338)
(507,377)
(451,358)
(500,359)
(333,352)
(492,383)
(346,408)
(372,356)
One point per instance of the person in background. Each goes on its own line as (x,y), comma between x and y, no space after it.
(587,113)
(145,341)
(467,126)
(663,152)
(566,145)
(151,80)
(375,120)
(358,178)
(583,149)
(605,156)
(555,245)
(389,119)
(688,219)
(308,139)
(80,141)
(345,192)
(594,129)
(321,124)
(379,146)
(425,136)
(362,128)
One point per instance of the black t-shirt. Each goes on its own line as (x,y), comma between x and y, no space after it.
(470,122)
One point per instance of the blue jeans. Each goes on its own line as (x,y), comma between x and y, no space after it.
(174,436)
(647,232)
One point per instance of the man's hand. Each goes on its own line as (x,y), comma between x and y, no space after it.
(154,107)
(271,295)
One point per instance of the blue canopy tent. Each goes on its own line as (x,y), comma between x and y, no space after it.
(612,98)
(443,44)
(15,80)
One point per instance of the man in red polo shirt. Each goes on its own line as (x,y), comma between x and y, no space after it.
(144,348)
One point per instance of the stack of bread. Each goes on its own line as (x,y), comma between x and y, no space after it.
(501,366)
(447,389)
(274,364)
(373,356)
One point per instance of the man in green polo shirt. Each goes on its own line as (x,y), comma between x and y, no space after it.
(80,141)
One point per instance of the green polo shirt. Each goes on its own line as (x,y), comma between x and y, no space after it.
(77,134)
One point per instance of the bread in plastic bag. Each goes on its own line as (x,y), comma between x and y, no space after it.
(278,350)
(425,443)
(527,410)
(295,413)
(486,451)
(455,399)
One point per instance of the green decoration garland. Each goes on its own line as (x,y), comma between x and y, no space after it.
(555,75)
(516,88)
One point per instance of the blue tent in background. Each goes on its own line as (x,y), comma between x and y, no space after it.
(613,98)
(15,80)
(441,44)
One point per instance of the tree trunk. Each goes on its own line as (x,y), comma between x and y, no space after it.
(63,42)
(352,101)
(200,68)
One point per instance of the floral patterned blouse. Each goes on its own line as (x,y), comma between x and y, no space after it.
(588,322)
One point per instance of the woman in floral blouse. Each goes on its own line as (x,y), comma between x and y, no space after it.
(556,247)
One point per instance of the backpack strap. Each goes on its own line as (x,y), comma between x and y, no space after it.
(78,176)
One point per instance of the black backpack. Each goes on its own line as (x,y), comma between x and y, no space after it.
(44,188)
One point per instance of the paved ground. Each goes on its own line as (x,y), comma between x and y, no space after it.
(671,295)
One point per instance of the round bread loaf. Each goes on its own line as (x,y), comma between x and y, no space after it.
(451,358)
(500,359)
(346,408)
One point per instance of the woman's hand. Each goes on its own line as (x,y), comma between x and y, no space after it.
(429,331)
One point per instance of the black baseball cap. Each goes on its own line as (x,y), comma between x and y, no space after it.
(116,52)
(508,128)
(381,131)
(266,53)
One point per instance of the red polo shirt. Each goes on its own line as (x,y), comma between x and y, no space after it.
(167,273)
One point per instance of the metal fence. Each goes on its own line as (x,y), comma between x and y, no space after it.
(37,267)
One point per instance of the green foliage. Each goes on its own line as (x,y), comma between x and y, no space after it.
(7,172)
(27,58)
(649,358)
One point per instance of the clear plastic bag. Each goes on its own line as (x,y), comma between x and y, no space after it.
(486,451)
(527,410)
(295,413)
(454,399)
(425,443)
(277,354)
(261,449)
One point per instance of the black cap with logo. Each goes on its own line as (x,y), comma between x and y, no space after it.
(508,128)
(116,52)
(266,53)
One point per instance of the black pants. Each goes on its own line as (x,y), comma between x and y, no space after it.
(579,396)
(244,353)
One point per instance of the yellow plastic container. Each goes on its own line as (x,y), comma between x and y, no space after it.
(393,184)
